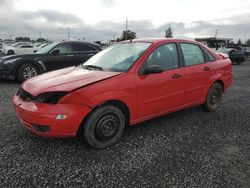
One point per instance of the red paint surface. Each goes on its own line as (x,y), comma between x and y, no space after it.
(146,96)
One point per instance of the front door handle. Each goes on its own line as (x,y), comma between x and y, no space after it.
(206,68)
(176,76)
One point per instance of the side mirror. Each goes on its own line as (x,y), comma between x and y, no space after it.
(153,69)
(55,52)
(34,51)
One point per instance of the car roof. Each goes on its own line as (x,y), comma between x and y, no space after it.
(159,40)
(72,41)
(82,42)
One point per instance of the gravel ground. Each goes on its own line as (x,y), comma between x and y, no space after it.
(189,148)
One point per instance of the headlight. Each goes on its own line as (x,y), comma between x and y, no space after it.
(51,97)
(10,61)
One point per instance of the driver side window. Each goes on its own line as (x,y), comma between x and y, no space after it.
(165,56)
(64,48)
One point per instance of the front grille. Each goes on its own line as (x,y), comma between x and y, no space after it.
(24,95)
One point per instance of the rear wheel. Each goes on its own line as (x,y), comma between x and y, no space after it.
(214,98)
(104,127)
(26,71)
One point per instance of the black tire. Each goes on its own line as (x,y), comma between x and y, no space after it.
(10,52)
(104,127)
(26,71)
(214,98)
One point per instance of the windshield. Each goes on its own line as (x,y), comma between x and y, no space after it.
(46,49)
(117,58)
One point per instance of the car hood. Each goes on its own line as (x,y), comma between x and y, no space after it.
(67,79)
(26,56)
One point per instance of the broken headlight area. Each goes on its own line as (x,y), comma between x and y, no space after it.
(50,97)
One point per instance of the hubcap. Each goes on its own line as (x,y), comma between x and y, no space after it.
(29,72)
(215,97)
(107,126)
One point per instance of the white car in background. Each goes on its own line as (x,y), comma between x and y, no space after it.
(8,46)
(19,49)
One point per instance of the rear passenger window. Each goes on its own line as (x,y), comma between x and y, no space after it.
(165,56)
(192,53)
(64,48)
(81,47)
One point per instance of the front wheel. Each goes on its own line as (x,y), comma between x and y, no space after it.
(26,71)
(214,98)
(104,127)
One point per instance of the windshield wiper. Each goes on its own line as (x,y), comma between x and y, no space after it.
(92,67)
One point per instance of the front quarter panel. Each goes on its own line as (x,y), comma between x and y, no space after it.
(121,88)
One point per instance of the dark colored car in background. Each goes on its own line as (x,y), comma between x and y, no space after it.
(52,57)
(236,54)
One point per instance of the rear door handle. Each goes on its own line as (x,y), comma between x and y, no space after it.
(176,76)
(206,68)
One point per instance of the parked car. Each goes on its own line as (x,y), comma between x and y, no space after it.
(22,49)
(52,57)
(10,49)
(237,55)
(124,84)
(40,45)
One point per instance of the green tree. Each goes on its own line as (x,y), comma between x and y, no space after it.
(169,33)
(127,35)
(41,40)
(22,39)
(248,43)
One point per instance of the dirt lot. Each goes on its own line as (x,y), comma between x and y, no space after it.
(190,148)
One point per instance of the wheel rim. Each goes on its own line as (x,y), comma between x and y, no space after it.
(107,126)
(215,97)
(29,72)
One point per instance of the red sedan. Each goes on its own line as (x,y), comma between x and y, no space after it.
(127,83)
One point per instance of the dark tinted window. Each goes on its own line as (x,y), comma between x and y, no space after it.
(26,46)
(192,53)
(165,56)
(79,47)
(64,48)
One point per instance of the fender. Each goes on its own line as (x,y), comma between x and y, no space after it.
(129,99)
(122,96)
(217,77)
(40,67)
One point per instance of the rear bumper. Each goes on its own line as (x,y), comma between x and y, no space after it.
(41,118)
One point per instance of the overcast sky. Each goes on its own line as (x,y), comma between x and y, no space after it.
(105,19)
